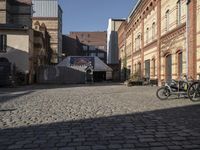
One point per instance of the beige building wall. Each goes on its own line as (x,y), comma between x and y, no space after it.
(18,51)
(172,6)
(150,22)
(173,40)
(170,37)
(2,12)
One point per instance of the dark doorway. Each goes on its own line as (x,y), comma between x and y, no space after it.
(147,68)
(168,68)
(180,64)
(5,71)
(89,76)
(99,76)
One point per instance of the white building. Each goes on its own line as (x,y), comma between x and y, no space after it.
(112,40)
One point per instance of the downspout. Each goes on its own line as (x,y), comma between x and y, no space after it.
(187,37)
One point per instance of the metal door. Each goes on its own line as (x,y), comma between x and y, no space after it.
(168,68)
(147,68)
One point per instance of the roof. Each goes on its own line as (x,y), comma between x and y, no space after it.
(134,9)
(99,65)
(118,19)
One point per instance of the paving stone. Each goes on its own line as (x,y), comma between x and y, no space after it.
(105,117)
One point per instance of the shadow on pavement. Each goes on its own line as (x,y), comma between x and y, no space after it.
(4,97)
(56,86)
(175,128)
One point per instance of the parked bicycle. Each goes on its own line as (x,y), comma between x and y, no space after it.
(194,91)
(177,88)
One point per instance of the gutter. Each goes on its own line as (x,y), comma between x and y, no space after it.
(187,36)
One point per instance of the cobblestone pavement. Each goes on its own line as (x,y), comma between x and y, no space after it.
(98,117)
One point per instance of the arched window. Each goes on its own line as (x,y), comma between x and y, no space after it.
(167,20)
(139,41)
(153,30)
(179,12)
(147,35)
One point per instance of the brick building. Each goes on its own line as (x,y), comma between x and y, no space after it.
(22,49)
(86,44)
(50,13)
(153,41)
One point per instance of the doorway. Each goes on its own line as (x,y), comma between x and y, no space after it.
(147,68)
(5,71)
(168,72)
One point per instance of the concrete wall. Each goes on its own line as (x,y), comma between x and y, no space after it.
(60,75)
(112,41)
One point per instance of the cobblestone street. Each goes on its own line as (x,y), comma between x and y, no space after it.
(98,117)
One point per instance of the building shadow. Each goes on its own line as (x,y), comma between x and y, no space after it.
(174,128)
(7,96)
(35,87)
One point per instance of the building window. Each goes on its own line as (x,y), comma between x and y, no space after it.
(153,30)
(85,48)
(153,67)
(167,20)
(147,35)
(179,12)
(92,48)
(101,55)
(139,69)
(138,42)
(180,64)
(135,68)
(3,43)
(101,47)
(93,54)
(147,68)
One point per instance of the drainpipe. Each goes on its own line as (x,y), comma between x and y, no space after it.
(187,37)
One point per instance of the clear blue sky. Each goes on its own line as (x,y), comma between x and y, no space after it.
(92,15)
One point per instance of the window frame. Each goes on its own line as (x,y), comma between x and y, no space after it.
(167,20)
(179,12)
(147,35)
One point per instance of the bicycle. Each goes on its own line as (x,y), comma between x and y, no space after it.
(179,88)
(194,91)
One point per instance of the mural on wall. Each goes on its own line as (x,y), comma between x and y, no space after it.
(82,61)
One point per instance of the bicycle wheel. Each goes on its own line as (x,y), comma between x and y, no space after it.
(163,93)
(194,92)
